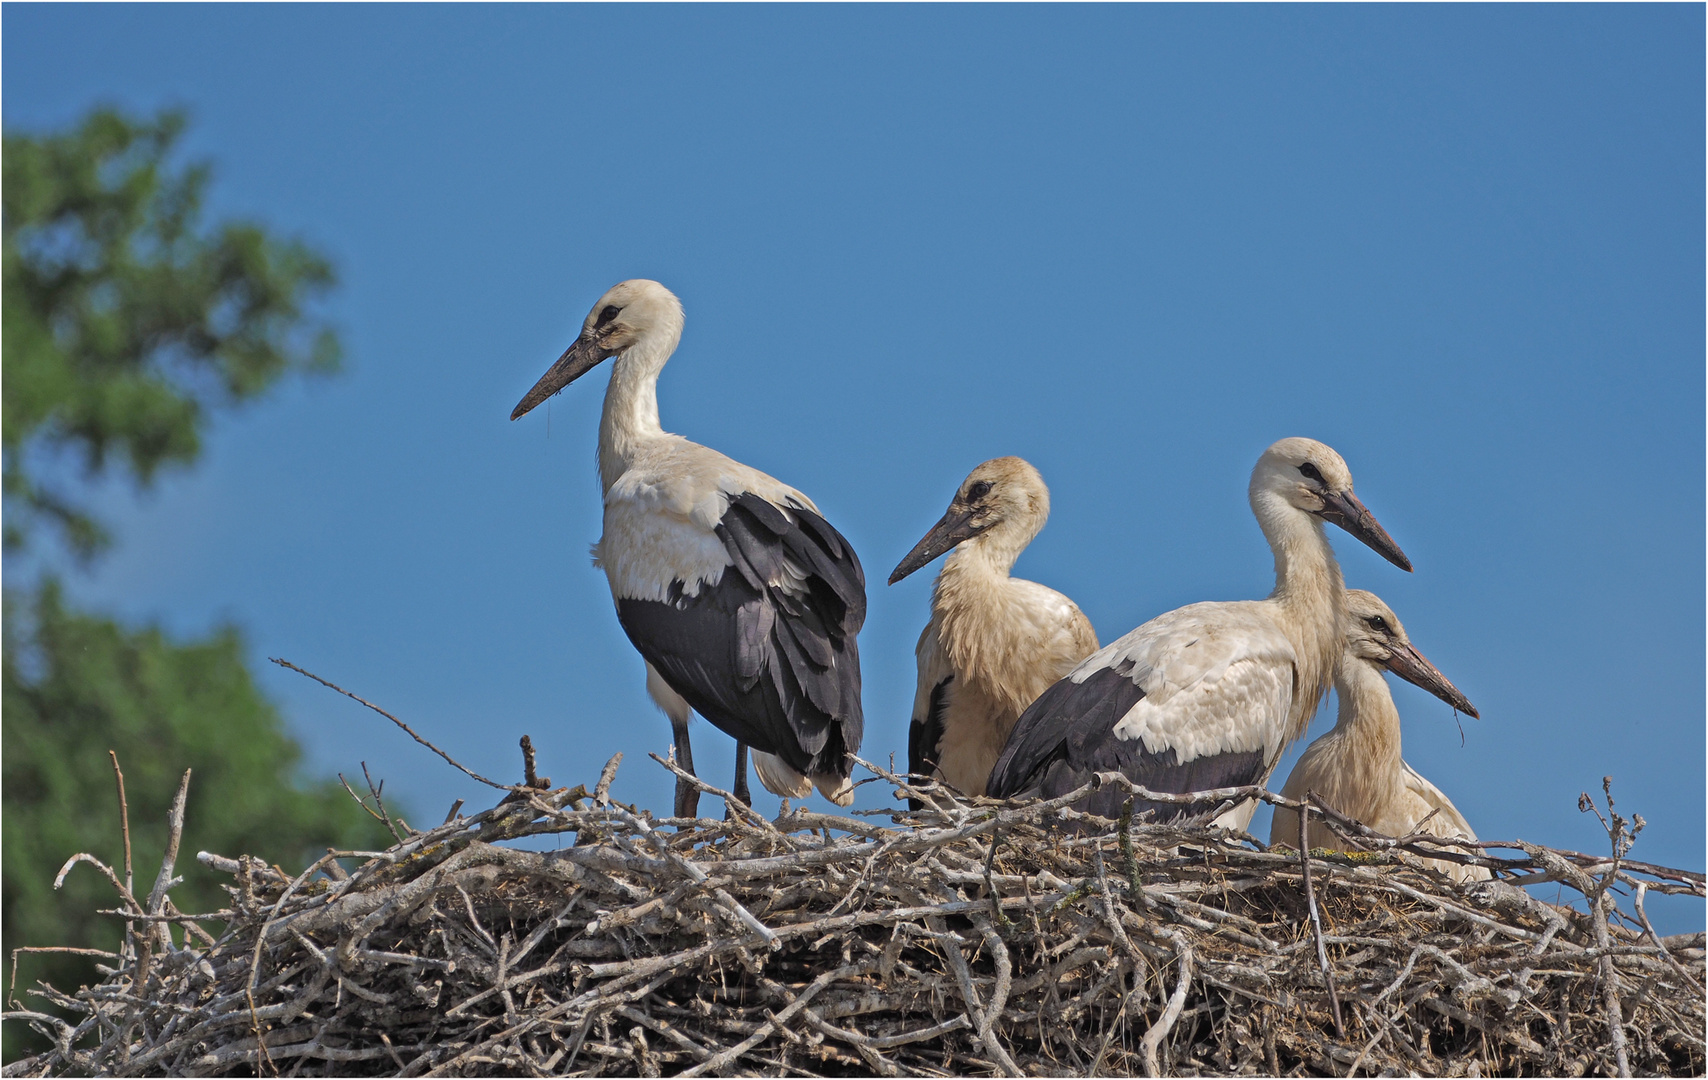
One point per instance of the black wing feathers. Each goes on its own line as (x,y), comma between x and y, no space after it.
(1069,733)
(923,737)
(1059,726)
(768,654)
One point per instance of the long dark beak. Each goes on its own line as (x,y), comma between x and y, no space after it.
(576,361)
(1410,665)
(1343,509)
(951,530)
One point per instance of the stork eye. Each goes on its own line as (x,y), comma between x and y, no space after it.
(978,491)
(1311,472)
(1378,624)
(611,311)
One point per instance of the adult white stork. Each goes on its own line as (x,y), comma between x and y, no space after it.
(743,600)
(994,642)
(1356,768)
(1207,695)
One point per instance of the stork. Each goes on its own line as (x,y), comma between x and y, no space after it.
(994,642)
(743,600)
(1356,768)
(1206,696)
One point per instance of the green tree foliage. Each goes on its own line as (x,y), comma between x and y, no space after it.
(124,319)
(125,323)
(73,686)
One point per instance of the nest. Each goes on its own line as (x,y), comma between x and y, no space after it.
(974,939)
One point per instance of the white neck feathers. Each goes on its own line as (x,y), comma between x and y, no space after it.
(1309,598)
(630,417)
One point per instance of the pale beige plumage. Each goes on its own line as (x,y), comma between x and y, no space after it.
(994,642)
(1356,768)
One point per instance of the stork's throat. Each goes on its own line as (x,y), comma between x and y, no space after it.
(629,418)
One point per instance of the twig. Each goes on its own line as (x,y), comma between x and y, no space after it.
(531,778)
(12,994)
(1165,1023)
(124,828)
(1637,902)
(164,881)
(729,798)
(1352,1070)
(174,835)
(980,1016)
(1316,919)
(379,801)
(602,790)
(363,803)
(1597,896)
(774,1023)
(453,762)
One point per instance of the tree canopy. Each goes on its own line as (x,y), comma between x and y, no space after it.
(125,318)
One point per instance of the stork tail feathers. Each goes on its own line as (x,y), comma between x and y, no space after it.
(778,778)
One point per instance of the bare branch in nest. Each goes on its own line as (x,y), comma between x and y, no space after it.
(821,944)
(729,800)
(124,829)
(530,777)
(1304,817)
(602,790)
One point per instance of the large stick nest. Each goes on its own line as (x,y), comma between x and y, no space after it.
(976,939)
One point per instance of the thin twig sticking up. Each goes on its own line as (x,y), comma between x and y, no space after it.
(1316,919)
(454,763)
(124,828)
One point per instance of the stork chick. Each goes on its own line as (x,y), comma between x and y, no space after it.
(744,601)
(994,642)
(1356,768)
(1208,695)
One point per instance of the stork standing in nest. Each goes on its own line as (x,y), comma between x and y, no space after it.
(744,601)
(994,642)
(1208,695)
(1356,768)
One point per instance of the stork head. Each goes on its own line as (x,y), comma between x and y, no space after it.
(1310,476)
(1003,496)
(1374,635)
(631,312)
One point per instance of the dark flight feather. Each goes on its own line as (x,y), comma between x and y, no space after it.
(924,738)
(779,671)
(1069,733)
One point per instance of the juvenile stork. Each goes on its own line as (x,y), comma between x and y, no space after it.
(1207,695)
(1356,768)
(994,642)
(743,600)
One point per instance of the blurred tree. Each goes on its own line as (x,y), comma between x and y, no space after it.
(124,324)
(124,320)
(72,687)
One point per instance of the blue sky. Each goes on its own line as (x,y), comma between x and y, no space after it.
(1135,245)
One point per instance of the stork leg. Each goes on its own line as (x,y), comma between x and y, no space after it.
(687,795)
(739,788)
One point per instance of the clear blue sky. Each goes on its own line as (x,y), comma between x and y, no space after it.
(1135,245)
